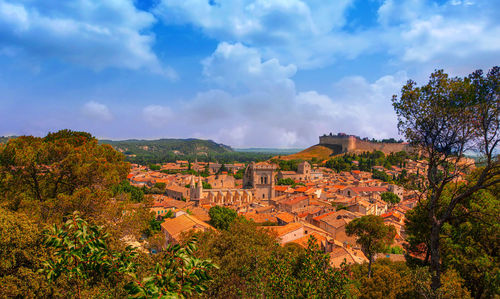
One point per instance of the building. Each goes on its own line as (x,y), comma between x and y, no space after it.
(295,204)
(221,196)
(174,227)
(303,173)
(177,192)
(261,178)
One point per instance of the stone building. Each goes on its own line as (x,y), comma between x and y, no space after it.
(219,196)
(303,173)
(261,178)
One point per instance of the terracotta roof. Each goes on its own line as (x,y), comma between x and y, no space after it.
(294,200)
(304,241)
(183,223)
(283,230)
(286,217)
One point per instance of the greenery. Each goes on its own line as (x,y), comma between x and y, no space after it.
(372,234)
(469,241)
(367,160)
(287,181)
(154,167)
(135,193)
(287,165)
(390,198)
(253,264)
(82,254)
(444,119)
(179,275)
(147,152)
(221,217)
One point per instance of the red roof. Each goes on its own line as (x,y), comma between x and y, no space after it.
(295,200)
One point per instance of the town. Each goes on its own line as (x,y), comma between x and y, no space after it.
(311,200)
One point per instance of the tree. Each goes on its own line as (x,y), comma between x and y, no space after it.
(59,164)
(180,275)
(469,240)
(154,167)
(81,252)
(390,198)
(221,217)
(287,181)
(372,234)
(21,255)
(254,265)
(443,120)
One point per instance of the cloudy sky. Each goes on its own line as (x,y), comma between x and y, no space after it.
(247,73)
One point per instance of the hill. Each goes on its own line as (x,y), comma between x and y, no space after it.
(319,151)
(178,147)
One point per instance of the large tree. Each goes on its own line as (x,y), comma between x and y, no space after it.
(372,234)
(65,168)
(444,120)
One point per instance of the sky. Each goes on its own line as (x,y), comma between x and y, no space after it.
(246,73)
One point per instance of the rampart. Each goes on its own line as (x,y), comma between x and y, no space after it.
(349,143)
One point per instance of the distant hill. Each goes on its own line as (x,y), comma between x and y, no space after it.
(176,147)
(276,151)
(320,152)
(4,139)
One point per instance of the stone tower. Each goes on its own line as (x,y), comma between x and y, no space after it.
(261,177)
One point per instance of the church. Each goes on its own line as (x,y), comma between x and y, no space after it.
(258,185)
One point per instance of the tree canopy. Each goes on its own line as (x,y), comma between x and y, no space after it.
(372,234)
(445,119)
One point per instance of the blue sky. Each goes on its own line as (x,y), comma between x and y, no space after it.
(247,73)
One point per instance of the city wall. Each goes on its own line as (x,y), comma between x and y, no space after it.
(352,144)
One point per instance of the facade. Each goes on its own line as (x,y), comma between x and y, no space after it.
(222,196)
(260,177)
(303,173)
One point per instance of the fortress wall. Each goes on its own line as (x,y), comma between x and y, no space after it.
(386,148)
(351,143)
(344,141)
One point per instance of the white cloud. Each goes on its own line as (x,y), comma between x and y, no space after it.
(157,116)
(96,111)
(304,33)
(310,34)
(234,65)
(94,34)
(269,111)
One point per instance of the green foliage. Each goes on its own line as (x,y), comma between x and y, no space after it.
(206,185)
(154,167)
(390,198)
(287,165)
(239,174)
(21,254)
(160,186)
(254,265)
(380,175)
(179,275)
(367,160)
(59,164)
(372,234)
(221,217)
(147,152)
(155,225)
(287,181)
(136,193)
(81,252)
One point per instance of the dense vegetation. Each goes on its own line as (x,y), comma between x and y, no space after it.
(146,152)
(367,160)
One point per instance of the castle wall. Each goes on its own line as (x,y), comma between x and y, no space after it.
(351,143)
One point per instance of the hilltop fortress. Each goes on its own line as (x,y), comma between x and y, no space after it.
(343,143)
